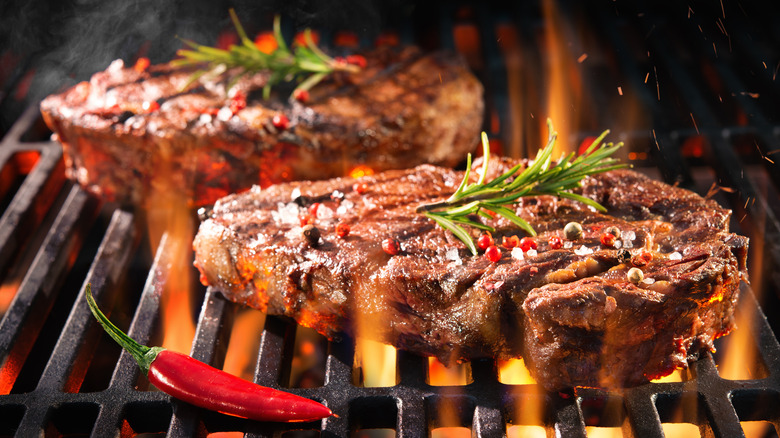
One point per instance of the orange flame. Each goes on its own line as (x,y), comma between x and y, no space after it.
(168,212)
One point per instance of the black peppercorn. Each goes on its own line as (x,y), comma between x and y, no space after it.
(311,234)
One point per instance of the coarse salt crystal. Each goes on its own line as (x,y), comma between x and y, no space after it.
(286,213)
(648,281)
(324,212)
(517,253)
(453,255)
(675,256)
(224,114)
(618,244)
(295,194)
(345,206)
(531,253)
(583,250)
(628,235)
(568,244)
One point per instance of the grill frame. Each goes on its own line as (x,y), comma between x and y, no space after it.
(485,405)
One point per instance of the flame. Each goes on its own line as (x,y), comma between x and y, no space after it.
(376,361)
(565,83)
(244,343)
(168,212)
(360,171)
(442,375)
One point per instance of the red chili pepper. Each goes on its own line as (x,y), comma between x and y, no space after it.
(197,383)
(360,187)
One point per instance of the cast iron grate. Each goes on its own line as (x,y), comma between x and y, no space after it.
(54,238)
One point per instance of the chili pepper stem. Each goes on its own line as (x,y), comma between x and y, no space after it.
(141,353)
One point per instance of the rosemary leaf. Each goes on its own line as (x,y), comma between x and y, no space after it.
(542,177)
(306,63)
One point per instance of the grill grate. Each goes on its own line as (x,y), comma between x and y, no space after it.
(61,376)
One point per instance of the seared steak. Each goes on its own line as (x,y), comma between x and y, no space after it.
(571,312)
(128,130)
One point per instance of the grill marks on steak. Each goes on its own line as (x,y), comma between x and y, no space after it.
(571,312)
(404,109)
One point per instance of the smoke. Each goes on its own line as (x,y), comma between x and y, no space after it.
(67,41)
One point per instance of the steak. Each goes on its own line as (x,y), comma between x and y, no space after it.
(129,131)
(571,312)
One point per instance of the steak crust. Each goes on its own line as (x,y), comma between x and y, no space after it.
(570,312)
(405,108)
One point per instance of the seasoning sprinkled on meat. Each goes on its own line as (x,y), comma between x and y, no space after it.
(572,304)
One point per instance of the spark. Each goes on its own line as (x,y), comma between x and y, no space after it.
(747,201)
(764,63)
(722,9)
(582,58)
(774,76)
(769,159)
(748,93)
(656,141)
(690,11)
(694,124)
(647,76)
(715,49)
(657,84)
(620,91)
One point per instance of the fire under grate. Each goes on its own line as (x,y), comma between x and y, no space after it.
(55,238)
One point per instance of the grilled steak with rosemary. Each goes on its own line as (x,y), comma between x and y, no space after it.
(130,130)
(354,255)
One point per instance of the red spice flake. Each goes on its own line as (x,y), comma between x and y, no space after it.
(313,209)
(150,107)
(238,102)
(306,219)
(301,95)
(493,253)
(527,243)
(555,242)
(210,111)
(141,64)
(357,60)
(534,270)
(641,259)
(607,239)
(510,242)
(342,229)
(391,246)
(360,187)
(280,121)
(485,241)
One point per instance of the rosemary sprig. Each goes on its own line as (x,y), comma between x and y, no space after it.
(542,177)
(305,62)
